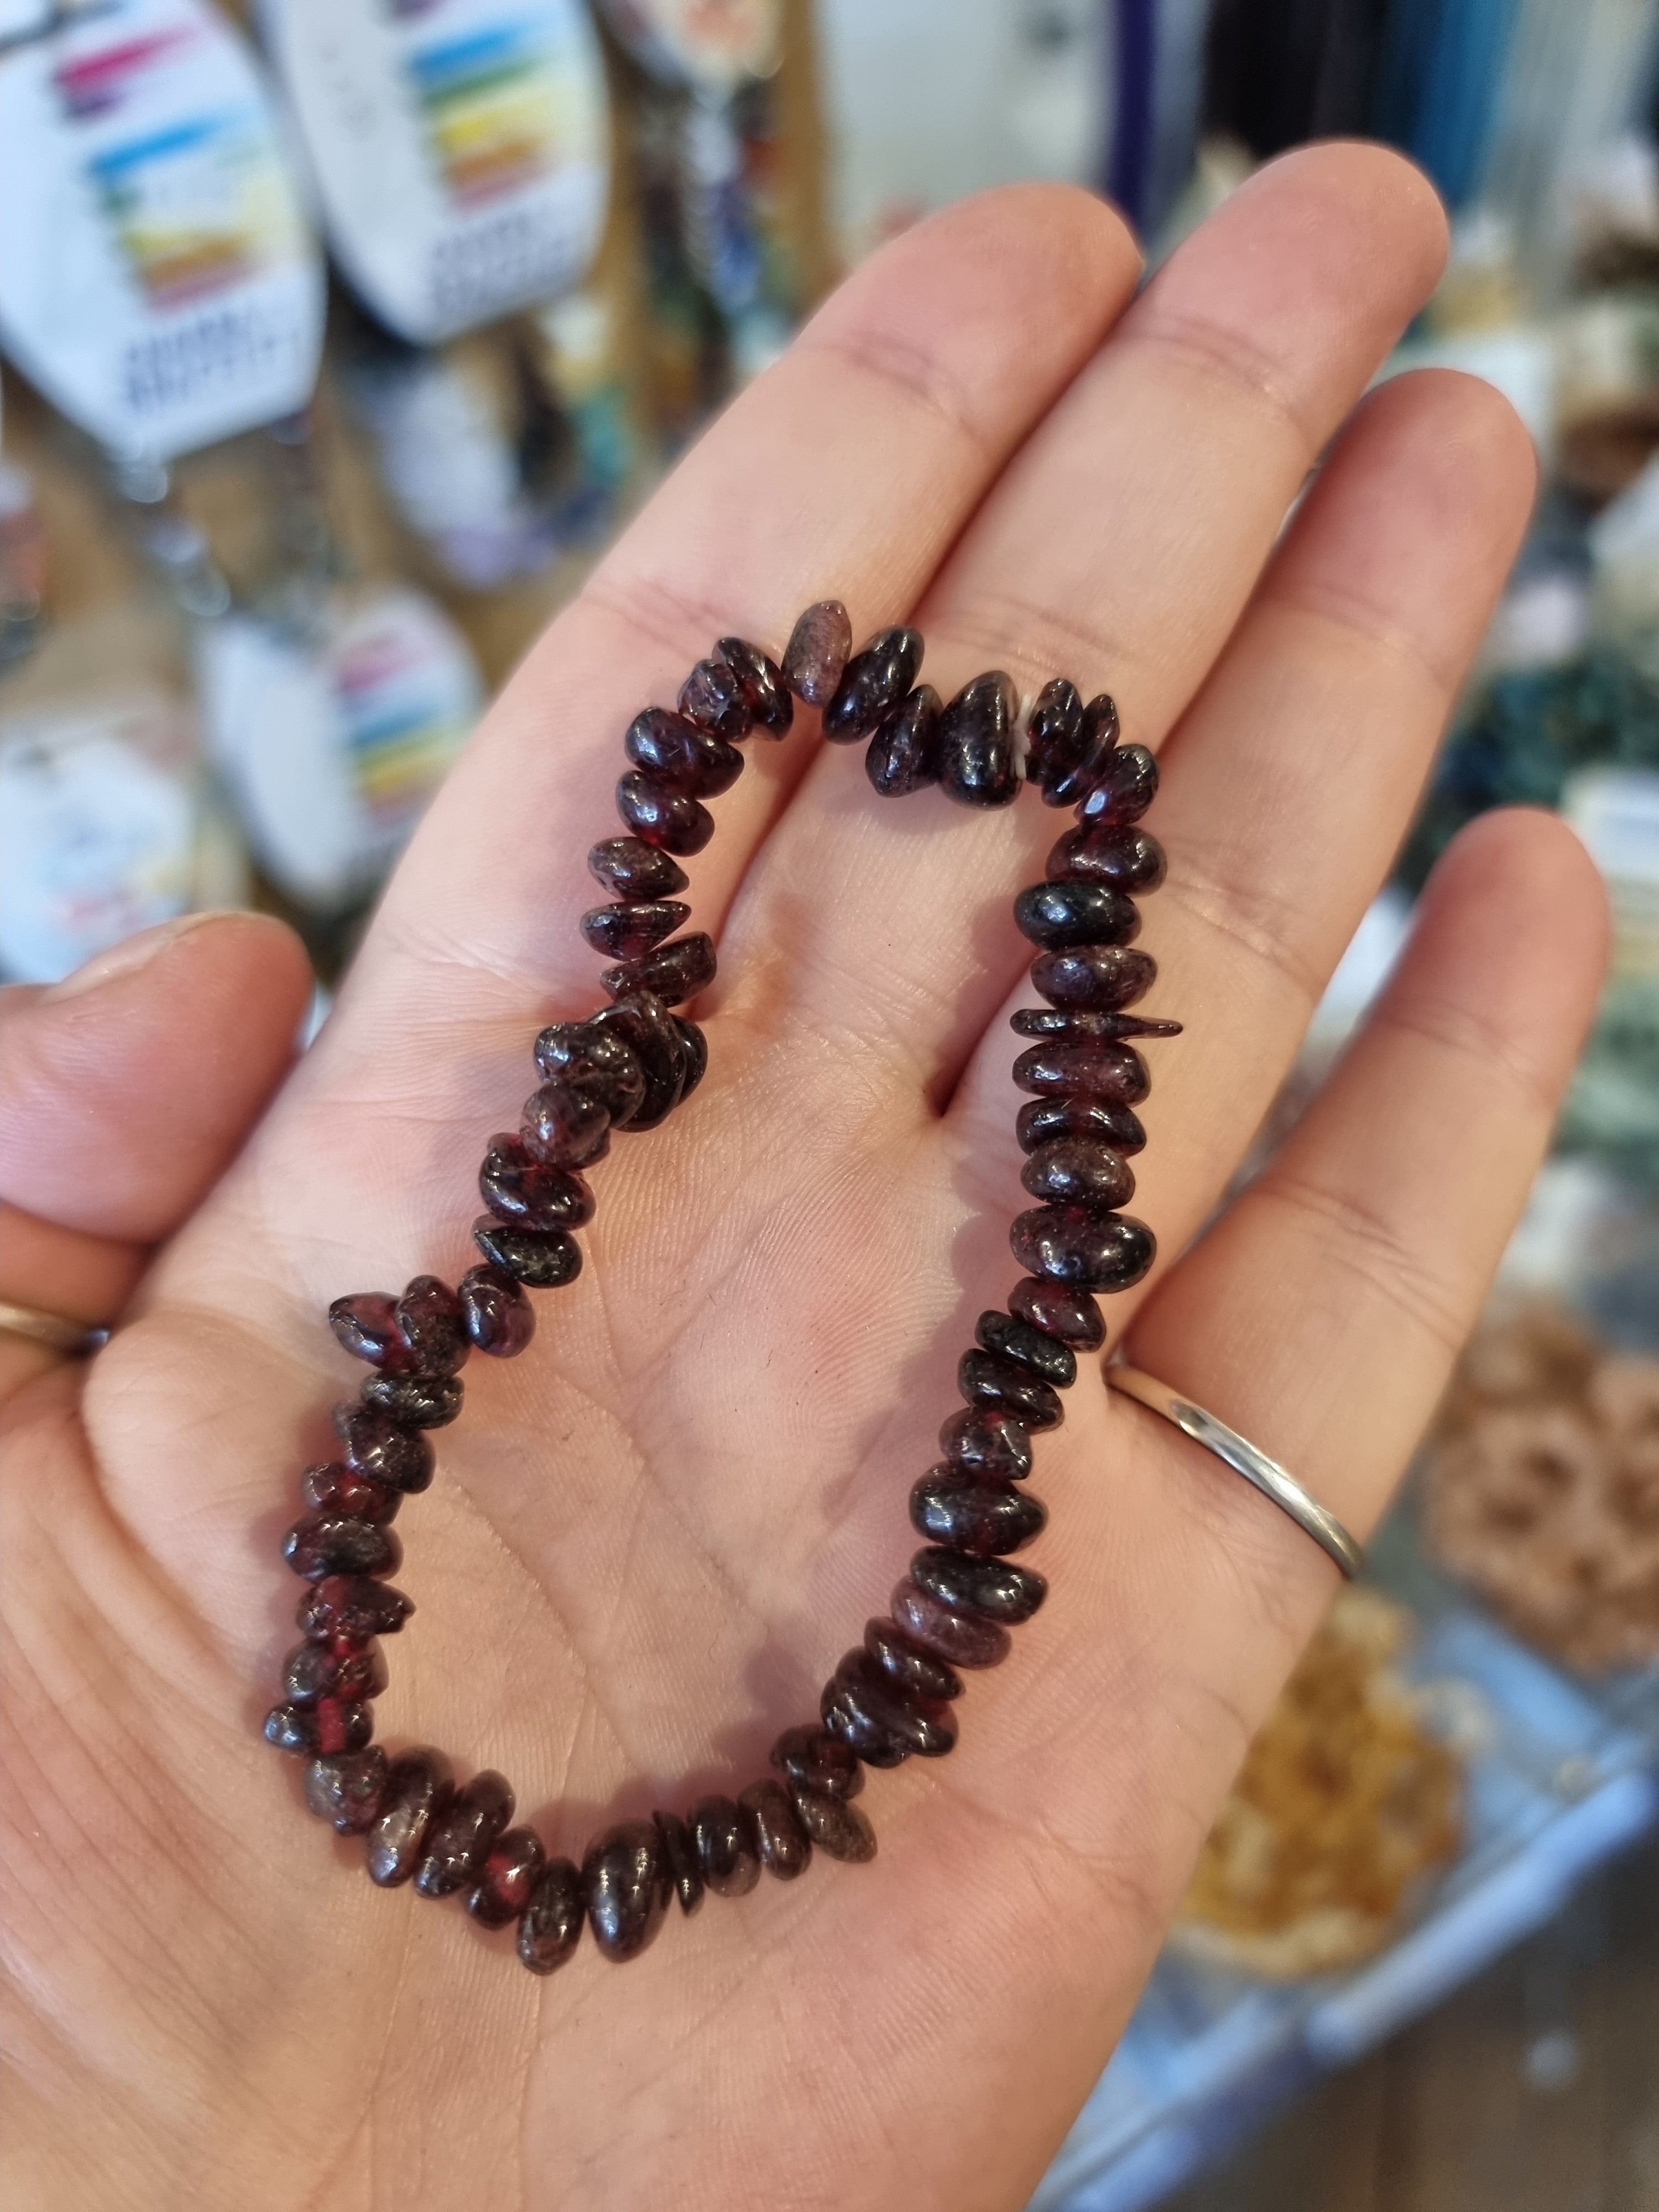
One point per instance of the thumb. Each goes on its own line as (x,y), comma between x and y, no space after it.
(124,1092)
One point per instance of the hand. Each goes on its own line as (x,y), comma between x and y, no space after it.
(652,1537)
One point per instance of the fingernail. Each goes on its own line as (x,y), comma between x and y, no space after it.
(123,959)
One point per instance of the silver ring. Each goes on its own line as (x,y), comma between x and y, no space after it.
(74,1338)
(1241,1454)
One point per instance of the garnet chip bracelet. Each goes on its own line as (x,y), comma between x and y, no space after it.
(626,1069)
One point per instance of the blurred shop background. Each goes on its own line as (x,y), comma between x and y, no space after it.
(340,336)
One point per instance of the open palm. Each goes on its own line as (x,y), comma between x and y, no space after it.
(651,1537)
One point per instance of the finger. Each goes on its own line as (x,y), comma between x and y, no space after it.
(1321,1318)
(1119,547)
(1290,782)
(846,470)
(123,1092)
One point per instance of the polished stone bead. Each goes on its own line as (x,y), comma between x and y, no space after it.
(978,758)
(344,1787)
(347,1672)
(907,1664)
(597,1062)
(420,1402)
(386,1451)
(1071,1315)
(903,754)
(1053,736)
(1125,858)
(1099,732)
(964,1638)
(623,932)
(623,1887)
(713,698)
(459,1840)
(671,819)
(1079,1172)
(541,1258)
(673,973)
(985,1379)
(419,1790)
(985,1518)
(989,1590)
(1094,1067)
(645,1026)
(1094,978)
(819,647)
(986,1440)
(552,1923)
(680,1857)
(770,708)
(873,682)
(532,1194)
(780,1839)
(631,869)
(696,1047)
(510,1874)
(882,1722)
(329,1725)
(366,1324)
(1017,1340)
(1125,790)
(727,1857)
(500,1319)
(565,1128)
(326,1544)
(340,1492)
(811,1759)
(354,1607)
(1062,1021)
(1084,1248)
(1056,916)
(840,1831)
(1047,1120)
(433,1326)
(677,756)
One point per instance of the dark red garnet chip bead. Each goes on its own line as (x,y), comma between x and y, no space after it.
(419,1790)
(986,1440)
(879,1720)
(904,754)
(716,698)
(510,1874)
(327,1726)
(811,1759)
(672,820)
(419,1401)
(500,1319)
(1054,742)
(988,1519)
(366,1324)
(543,1258)
(986,1378)
(551,1926)
(1015,1338)
(623,1888)
(978,763)
(680,1857)
(353,1606)
(333,1488)
(623,932)
(1125,789)
(726,1856)
(326,1544)
(532,1194)
(770,708)
(1071,1315)
(780,1842)
(673,973)
(874,682)
(965,1639)
(839,1830)
(594,1060)
(1114,854)
(459,1841)
(1058,915)
(1079,1172)
(1097,732)
(907,1664)
(430,1322)
(345,1788)
(816,654)
(631,869)
(1092,1067)
(383,1449)
(1082,1248)
(677,754)
(1098,979)
(994,1590)
(564,1127)
(347,1672)
(1046,1121)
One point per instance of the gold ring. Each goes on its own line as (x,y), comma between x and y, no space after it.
(1244,1458)
(74,1338)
